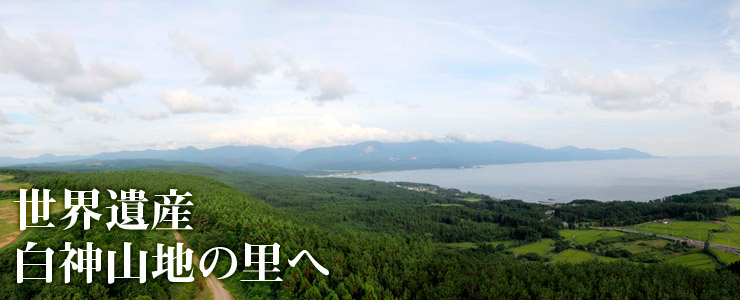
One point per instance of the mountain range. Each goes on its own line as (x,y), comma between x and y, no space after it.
(365,156)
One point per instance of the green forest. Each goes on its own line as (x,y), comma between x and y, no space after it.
(387,240)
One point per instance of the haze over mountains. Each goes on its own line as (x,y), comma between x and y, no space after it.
(365,156)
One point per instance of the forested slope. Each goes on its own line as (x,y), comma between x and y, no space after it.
(368,257)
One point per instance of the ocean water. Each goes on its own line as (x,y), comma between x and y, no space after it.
(605,180)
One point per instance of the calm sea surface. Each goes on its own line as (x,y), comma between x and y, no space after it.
(635,179)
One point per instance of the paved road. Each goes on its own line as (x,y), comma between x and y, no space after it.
(691,242)
(215,285)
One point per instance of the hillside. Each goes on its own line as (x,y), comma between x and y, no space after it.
(379,241)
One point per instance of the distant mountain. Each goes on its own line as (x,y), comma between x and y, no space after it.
(375,156)
(223,156)
(97,165)
(365,156)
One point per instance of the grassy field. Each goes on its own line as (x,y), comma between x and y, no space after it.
(733,223)
(574,256)
(727,258)
(696,261)
(539,247)
(688,229)
(9,227)
(471,245)
(734,202)
(726,238)
(5,185)
(471,199)
(578,256)
(587,236)
(641,245)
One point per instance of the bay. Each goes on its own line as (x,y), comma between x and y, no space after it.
(604,180)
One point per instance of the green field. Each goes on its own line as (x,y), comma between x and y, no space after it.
(734,202)
(696,261)
(725,257)
(687,229)
(471,199)
(4,185)
(641,245)
(9,227)
(588,236)
(539,247)
(578,256)
(733,223)
(726,238)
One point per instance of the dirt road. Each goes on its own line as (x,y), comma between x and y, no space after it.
(215,285)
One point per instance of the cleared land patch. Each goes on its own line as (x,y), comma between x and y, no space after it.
(687,229)
(726,257)
(539,247)
(696,261)
(588,236)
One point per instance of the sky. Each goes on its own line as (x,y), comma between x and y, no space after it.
(85,77)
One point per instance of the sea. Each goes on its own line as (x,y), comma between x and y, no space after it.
(603,180)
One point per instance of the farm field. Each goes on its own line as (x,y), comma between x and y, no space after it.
(539,247)
(687,229)
(588,236)
(696,261)
(726,257)
(726,238)
(733,223)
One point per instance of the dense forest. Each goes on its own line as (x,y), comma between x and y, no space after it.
(379,241)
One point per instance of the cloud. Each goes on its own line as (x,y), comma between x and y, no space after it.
(728,125)
(3,118)
(722,107)
(180,101)
(460,136)
(52,60)
(18,130)
(8,139)
(734,46)
(148,114)
(221,65)
(303,132)
(526,90)
(618,90)
(328,84)
(100,79)
(96,113)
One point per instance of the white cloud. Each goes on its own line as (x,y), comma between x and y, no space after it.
(100,79)
(180,101)
(221,65)
(8,139)
(734,46)
(4,119)
(53,60)
(148,114)
(722,107)
(328,84)
(618,90)
(18,130)
(303,132)
(97,113)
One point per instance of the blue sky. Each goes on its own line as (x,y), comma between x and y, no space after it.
(88,77)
